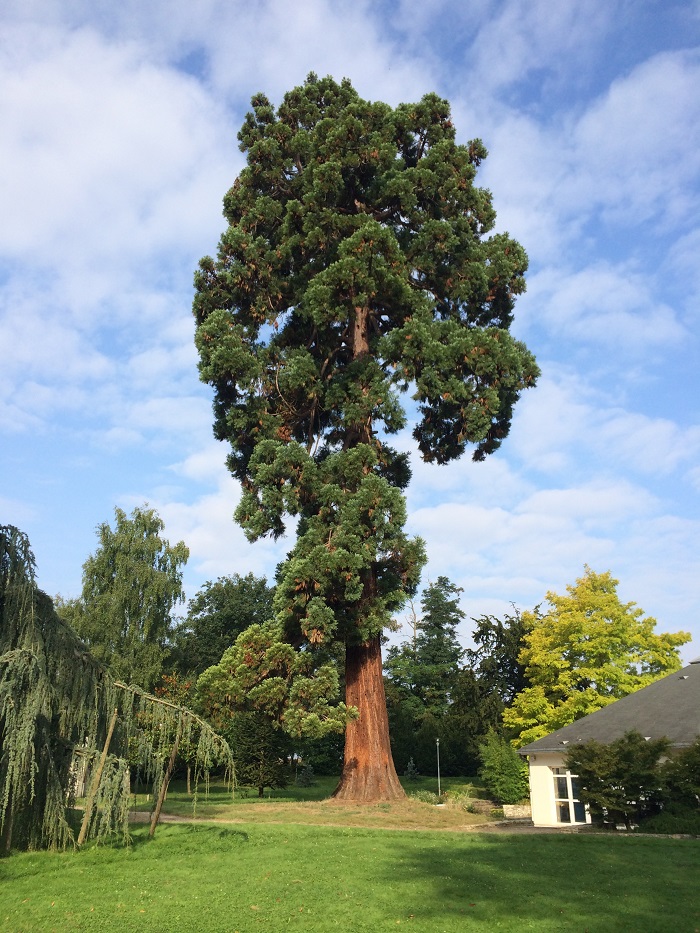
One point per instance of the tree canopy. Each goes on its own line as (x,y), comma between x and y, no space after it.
(621,780)
(358,262)
(427,666)
(496,658)
(130,586)
(216,616)
(63,715)
(586,650)
(430,692)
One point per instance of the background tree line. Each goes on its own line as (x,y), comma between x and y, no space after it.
(526,673)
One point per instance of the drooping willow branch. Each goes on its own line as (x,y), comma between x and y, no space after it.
(56,705)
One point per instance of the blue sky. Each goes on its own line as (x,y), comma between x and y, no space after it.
(117,142)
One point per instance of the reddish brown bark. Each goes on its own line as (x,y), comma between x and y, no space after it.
(368,774)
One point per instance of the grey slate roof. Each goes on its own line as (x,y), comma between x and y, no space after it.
(669,707)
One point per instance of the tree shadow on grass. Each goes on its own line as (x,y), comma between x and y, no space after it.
(550,883)
(181,838)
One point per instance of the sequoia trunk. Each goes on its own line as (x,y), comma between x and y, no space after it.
(368,769)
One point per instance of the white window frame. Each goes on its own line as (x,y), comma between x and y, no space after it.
(570,801)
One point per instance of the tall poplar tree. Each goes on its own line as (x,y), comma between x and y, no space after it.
(358,263)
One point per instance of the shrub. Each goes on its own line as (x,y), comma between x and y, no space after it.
(682,776)
(503,771)
(425,796)
(411,772)
(621,780)
(306,777)
(675,818)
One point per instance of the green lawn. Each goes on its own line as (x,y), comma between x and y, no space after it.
(265,877)
(321,789)
(310,805)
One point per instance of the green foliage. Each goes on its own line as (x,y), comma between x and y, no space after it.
(324,754)
(430,696)
(219,612)
(130,586)
(411,773)
(54,698)
(475,709)
(358,262)
(621,780)
(306,777)
(641,781)
(585,651)
(427,666)
(261,751)
(503,771)
(260,672)
(495,660)
(425,796)
(56,702)
(682,775)
(673,819)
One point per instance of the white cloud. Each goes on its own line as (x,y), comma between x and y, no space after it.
(566,425)
(96,138)
(527,36)
(218,546)
(638,148)
(208,464)
(269,46)
(503,556)
(16,512)
(602,304)
(682,266)
(113,173)
(625,165)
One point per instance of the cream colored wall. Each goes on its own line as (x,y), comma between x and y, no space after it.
(544,812)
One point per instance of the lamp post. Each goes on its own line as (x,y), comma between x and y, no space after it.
(437,746)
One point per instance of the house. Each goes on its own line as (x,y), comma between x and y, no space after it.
(669,707)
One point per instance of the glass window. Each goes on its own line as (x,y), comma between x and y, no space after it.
(569,807)
(579,812)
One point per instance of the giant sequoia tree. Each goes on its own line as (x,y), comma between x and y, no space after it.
(357,263)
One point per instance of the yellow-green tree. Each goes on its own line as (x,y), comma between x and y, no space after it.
(585,651)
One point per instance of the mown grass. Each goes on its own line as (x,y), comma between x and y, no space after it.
(196,877)
(311,805)
(321,789)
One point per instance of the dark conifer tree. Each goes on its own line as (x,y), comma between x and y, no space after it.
(262,751)
(496,658)
(358,262)
(427,666)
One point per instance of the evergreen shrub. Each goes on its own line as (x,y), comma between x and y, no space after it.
(503,771)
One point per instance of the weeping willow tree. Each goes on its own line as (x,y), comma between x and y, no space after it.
(62,716)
